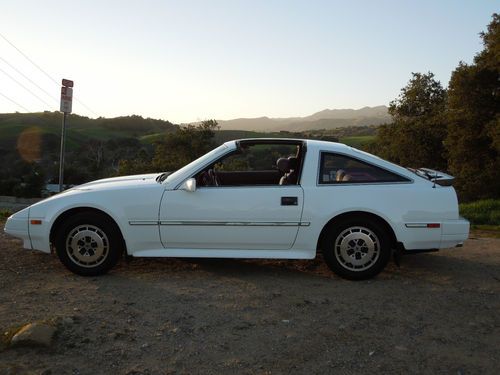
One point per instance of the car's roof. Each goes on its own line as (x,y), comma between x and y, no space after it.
(310,142)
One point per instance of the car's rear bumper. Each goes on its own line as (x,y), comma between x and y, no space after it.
(420,236)
(454,232)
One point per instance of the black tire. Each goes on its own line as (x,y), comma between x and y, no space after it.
(89,244)
(356,249)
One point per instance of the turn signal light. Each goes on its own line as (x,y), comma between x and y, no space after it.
(433,225)
(35,222)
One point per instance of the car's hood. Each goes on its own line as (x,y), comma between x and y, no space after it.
(110,184)
(133,184)
(120,180)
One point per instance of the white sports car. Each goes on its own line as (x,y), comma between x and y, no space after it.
(252,198)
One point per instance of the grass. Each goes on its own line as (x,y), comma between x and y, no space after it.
(151,138)
(357,141)
(483,212)
(78,128)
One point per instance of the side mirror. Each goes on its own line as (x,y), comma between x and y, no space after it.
(189,185)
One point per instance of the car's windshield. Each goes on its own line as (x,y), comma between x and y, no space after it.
(201,160)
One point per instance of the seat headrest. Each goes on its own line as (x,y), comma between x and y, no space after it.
(283,165)
(293,162)
(340,175)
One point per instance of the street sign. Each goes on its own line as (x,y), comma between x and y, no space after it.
(66,99)
(67,82)
(66,104)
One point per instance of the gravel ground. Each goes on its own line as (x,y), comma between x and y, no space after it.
(437,313)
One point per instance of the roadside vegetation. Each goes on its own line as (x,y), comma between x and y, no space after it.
(4,214)
(454,129)
(483,212)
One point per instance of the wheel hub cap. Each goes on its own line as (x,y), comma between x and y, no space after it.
(87,245)
(357,248)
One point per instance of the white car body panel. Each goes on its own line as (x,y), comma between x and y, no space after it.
(160,219)
(250,218)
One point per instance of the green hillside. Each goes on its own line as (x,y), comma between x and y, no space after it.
(79,128)
(358,141)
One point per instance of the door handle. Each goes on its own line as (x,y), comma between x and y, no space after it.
(289,201)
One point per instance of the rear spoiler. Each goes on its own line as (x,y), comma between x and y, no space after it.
(437,177)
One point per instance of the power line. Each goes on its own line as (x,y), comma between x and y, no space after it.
(16,103)
(86,106)
(29,79)
(31,61)
(43,71)
(24,87)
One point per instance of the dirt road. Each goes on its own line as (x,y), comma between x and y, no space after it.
(438,313)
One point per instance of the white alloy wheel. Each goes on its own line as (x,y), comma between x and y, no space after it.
(87,245)
(357,248)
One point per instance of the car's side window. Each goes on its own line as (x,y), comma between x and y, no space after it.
(259,157)
(339,169)
(254,165)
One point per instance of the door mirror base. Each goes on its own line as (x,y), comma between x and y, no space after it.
(189,185)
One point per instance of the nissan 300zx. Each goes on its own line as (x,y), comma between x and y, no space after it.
(252,198)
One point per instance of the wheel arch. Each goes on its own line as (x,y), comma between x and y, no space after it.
(76,210)
(361,215)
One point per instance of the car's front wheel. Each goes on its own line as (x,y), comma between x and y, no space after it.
(356,249)
(88,244)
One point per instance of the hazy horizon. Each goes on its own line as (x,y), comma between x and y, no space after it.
(195,60)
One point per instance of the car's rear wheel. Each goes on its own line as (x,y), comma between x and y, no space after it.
(88,244)
(356,249)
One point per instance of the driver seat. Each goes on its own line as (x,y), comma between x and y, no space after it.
(288,166)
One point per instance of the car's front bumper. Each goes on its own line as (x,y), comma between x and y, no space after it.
(17,226)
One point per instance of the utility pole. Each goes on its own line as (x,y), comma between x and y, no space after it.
(66,106)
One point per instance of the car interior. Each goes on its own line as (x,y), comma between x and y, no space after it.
(335,168)
(256,163)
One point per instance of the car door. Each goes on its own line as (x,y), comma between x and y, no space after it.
(238,217)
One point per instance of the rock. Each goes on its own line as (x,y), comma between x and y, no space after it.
(38,334)
(67,321)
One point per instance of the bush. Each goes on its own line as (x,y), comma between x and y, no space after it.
(483,212)
(4,213)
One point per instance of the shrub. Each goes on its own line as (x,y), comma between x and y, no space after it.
(483,212)
(4,213)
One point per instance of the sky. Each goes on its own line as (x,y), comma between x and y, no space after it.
(188,60)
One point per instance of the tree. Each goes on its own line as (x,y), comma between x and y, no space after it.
(32,182)
(415,137)
(188,143)
(174,150)
(473,140)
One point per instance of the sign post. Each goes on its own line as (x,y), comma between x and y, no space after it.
(66,106)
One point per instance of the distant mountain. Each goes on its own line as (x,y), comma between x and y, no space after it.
(326,119)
